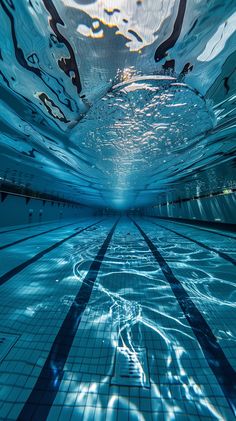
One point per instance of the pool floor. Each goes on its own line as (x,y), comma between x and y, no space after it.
(107,318)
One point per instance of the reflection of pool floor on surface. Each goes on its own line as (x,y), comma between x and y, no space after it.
(68,308)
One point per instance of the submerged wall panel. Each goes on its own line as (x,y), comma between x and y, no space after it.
(16,210)
(219,208)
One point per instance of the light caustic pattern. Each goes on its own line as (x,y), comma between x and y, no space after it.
(134,305)
(115,103)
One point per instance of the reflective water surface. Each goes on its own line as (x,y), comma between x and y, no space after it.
(117,104)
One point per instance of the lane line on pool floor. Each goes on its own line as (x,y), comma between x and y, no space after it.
(42,396)
(196,227)
(200,244)
(53,221)
(12,272)
(20,240)
(218,362)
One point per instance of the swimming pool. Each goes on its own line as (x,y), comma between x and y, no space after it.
(110,318)
(117,210)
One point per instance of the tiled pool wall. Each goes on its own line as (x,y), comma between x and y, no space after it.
(213,208)
(16,209)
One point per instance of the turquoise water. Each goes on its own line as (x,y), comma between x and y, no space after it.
(118,104)
(113,110)
(103,322)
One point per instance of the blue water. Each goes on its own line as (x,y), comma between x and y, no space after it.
(157,295)
(120,104)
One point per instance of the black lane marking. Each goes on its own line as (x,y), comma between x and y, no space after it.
(42,396)
(222,369)
(33,236)
(29,226)
(8,275)
(200,244)
(197,227)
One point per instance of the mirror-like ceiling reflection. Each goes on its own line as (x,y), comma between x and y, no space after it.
(118,103)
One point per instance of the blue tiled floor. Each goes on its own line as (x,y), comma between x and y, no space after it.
(132,305)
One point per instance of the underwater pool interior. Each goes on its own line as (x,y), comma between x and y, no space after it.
(117,210)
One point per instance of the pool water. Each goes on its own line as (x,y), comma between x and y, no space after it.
(120,104)
(109,318)
(113,113)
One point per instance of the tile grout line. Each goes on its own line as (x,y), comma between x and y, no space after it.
(218,362)
(12,272)
(200,244)
(47,385)
(30,226)
(20,240)
(190,224)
